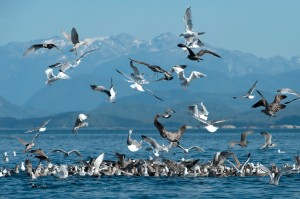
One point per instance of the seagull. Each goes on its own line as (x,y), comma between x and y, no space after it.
(67,153)
(154,68)
(220,157)
(189,35)
(155,146)
(197,56)
(275,176)
(196,148)
(111,93)
(185,81)
(38,46)
(289,91)
(240,171)
(40,154)
(137,86)
(243,142)
(270,109)
(136,75)
(5,157)
(171,136)
(40,128)
(63,66)
(75,40)
(202,114)
(268,140)
(249,93)
(133,145)
(210,124)
(28,145)
(52,78)
(80,122)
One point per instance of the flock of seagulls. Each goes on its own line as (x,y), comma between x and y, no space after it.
(159,165)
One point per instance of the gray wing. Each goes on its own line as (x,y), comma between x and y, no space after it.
(23,142)
(74,36)
(252,88)
(124,75)
(76,152)
(150,141)
(288,91)
(203,51)
(135,69)
(154,94)
(188,19)
(59,150)
(32,48)
(86,53)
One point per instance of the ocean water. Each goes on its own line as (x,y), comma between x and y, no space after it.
(92,143)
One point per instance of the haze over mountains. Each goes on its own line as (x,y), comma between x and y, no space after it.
(24,94)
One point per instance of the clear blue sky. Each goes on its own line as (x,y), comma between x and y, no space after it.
(265,28)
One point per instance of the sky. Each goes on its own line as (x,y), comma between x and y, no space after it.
(265,28)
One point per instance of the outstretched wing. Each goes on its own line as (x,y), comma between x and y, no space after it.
(140,62)
(184,46)
(204,51)
(154,94)
(74,36)
(188,19)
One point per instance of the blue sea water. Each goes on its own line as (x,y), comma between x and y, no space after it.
(92,143)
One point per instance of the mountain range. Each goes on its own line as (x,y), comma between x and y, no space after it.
(26,99)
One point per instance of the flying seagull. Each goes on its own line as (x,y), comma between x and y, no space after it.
(156,148)
(197,56)
(243,142)
(52,78)
(171,136)
(154,68)
(191,37)
(40,128)
(270,109)
(210,125)
(132,144)
(203,113)
(80,122)
(28,145)
(137,86)
(185,81)
(111,93)
(268,140)
(39,46)
(196,148)
(67,153)
(249,93)
(289,91)
(74,39)
(63,66)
